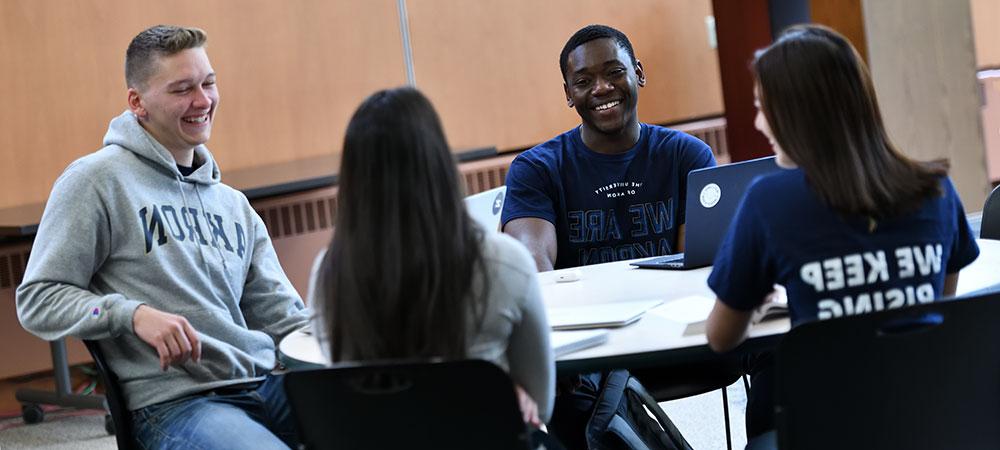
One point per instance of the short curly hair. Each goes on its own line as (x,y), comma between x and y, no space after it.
(590,33)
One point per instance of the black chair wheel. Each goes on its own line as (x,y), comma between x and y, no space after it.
(32,414)
(109,424)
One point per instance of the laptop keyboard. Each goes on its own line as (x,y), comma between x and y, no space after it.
(675,261)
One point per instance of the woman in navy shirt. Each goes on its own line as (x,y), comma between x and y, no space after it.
(852,226)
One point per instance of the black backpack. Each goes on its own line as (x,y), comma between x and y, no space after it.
(620,420)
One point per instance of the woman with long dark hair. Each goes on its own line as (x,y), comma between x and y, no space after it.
(852,226)
(409,274)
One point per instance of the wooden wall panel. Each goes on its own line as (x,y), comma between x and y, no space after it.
(24,353)
(924,70)
(290,75)
(492,68)
(844,16)
(990,113)
(986,25)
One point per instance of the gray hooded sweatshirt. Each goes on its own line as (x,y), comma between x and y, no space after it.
(123,227)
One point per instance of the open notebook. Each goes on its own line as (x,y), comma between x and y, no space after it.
(693,312)
(602,315)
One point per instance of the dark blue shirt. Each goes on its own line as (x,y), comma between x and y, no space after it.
(607,207)
(831,265)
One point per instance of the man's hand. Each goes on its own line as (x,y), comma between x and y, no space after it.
(529,409)
(171,335)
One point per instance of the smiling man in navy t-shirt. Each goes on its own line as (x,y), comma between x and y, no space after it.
(612,188)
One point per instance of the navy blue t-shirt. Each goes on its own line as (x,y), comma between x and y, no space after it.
(607,207)
(832,266)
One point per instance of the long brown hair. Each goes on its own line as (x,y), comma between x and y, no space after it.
(397,281)
(819,101)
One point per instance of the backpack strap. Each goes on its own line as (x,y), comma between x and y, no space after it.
(621,418)
(651,404)
(608,398)
(621,428)
(605,416)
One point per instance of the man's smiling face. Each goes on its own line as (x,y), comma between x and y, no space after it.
(602,83)
(176,105)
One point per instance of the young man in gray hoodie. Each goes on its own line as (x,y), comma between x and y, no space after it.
(142,248)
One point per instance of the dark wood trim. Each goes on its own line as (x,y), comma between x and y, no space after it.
(21,222)
(741,27)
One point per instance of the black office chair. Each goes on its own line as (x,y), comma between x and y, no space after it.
(923,377)
(32,399)
(445,405)
(119,419)
(991,216)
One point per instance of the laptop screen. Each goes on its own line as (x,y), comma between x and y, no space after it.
(713,193)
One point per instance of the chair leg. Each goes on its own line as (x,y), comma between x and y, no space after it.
(63,394)
(725,415)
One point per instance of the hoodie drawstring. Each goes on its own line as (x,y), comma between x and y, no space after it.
(201,251)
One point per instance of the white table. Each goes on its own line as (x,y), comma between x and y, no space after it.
(654,340)
(984,271)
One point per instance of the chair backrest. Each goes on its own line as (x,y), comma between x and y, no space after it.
(445,405)
(485,207)
(991,216)
(114,398)
(926,376)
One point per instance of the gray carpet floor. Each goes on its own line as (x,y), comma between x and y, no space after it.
(699,418)
(59,431)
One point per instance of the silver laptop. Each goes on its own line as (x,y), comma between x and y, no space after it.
(485,207)
(600,315)
(713,193)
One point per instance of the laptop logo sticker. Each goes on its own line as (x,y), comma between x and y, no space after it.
(710,195)
(498,203)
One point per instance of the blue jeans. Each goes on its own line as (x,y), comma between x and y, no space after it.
(257,418)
